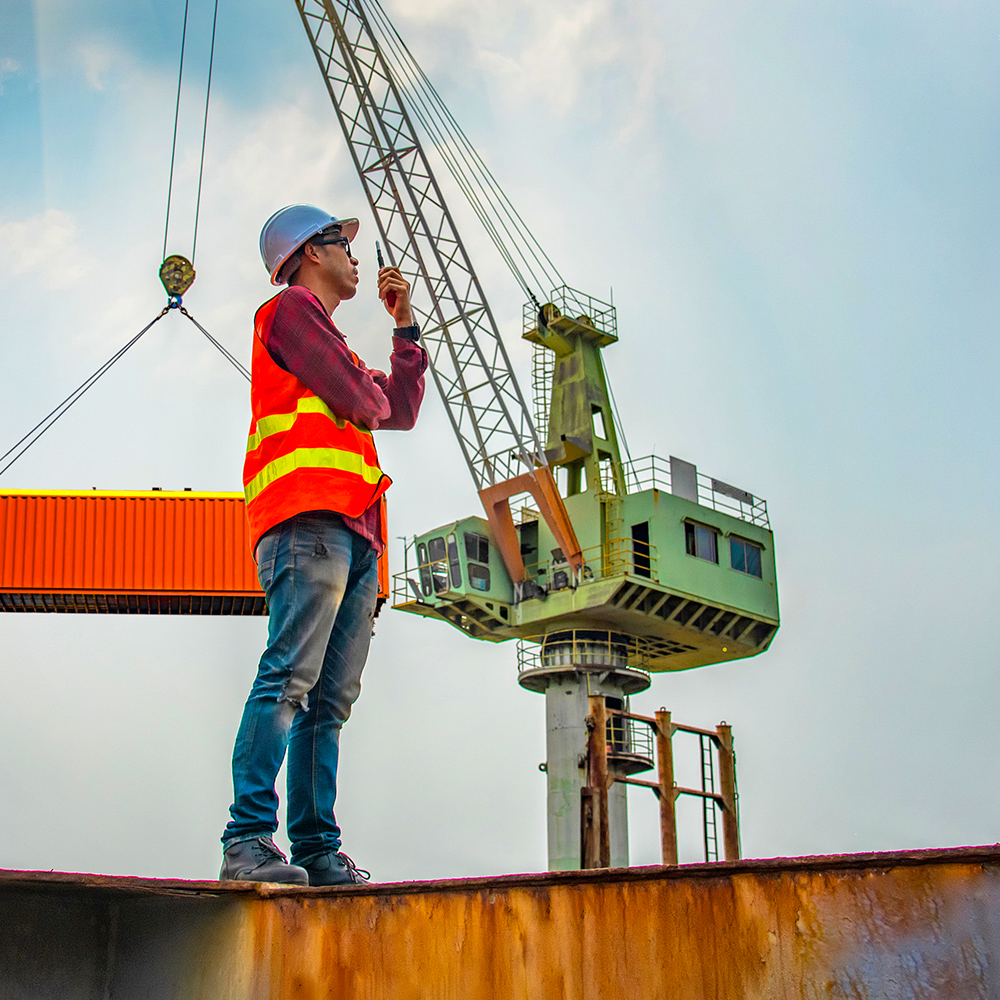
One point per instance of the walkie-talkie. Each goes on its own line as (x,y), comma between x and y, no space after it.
(390,297)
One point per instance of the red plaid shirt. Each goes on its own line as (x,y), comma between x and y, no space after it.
(303,340)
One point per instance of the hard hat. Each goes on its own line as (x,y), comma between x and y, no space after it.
(292,226)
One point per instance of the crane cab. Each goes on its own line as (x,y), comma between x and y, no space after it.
(683,563)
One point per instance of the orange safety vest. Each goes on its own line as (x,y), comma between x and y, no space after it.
(300,455)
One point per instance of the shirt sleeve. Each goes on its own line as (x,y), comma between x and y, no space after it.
(303,340)
(404,388)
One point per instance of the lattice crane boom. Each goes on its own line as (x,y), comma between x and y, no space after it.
(468,360)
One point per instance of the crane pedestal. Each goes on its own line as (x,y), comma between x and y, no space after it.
(571,666)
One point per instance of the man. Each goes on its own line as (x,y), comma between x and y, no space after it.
(313,487)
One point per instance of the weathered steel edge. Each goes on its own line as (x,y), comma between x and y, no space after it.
(987,854)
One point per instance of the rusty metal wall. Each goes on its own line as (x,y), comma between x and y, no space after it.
(868,927)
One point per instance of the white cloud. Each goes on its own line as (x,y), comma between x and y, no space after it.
(8,67)
(557,54)
(96,59)
(45,247)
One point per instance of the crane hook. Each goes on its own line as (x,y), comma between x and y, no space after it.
(177,274)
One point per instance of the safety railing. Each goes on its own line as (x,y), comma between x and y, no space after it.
(626,737)
(583,648)
(615,557)
(736,502)
(575,304)
(652,472)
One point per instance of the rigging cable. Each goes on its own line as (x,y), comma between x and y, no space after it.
(204,134)
(231,358)
(175,302)
(621,429)
(464,162)
(46,422)
(177,111)
(455,149)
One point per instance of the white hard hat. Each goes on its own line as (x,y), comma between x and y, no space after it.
(292,226)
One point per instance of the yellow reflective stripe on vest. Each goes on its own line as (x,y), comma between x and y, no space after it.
(275,423)
(312,458)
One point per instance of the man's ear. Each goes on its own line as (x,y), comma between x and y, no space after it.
(310,251)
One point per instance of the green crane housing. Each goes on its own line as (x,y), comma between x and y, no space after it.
(680,565)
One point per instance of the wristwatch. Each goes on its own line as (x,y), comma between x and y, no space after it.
(408,332)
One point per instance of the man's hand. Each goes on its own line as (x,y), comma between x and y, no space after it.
(390,280)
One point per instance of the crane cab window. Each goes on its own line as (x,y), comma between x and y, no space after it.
(453,564)
(701,541)
(477,554)
(426,584)
(477,548)
(744,556)
(437,558)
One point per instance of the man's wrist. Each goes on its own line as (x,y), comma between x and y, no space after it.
(411,332)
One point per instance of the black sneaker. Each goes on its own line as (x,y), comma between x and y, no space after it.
(334,868)
(258,860)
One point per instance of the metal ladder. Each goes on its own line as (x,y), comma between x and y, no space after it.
(708,805)
(615,549)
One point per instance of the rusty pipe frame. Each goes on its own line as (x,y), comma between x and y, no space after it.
(595,839)
(666,790)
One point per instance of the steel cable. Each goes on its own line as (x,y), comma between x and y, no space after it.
(464,163)
(231,358)
(177,112)
(47,421)
(204,133)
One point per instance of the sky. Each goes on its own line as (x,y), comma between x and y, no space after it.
(796,208)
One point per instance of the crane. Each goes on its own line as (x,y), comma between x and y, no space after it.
(618,569)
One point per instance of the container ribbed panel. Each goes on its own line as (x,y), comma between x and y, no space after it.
(130,553)
(107,546)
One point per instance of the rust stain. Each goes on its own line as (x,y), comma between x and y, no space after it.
(890,927)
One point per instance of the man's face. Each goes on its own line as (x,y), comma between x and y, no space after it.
(337,263)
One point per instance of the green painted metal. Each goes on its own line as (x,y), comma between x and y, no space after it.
(683,610)
(639,575)
(581,428)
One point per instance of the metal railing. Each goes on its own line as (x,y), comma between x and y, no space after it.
(653,473)
(575,304)
(627,737)
(583,648)
(737,503)
(615,557)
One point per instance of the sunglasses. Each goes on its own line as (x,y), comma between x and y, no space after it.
(331,239)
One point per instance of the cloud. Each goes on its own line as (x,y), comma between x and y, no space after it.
(45,247)
(8,67)
(559,54)
(96,59)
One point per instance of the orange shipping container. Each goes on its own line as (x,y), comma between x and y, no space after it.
(127,553)
(130,553)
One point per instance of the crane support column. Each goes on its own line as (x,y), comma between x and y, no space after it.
(574,666)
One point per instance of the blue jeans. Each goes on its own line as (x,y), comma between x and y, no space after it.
(321,582)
